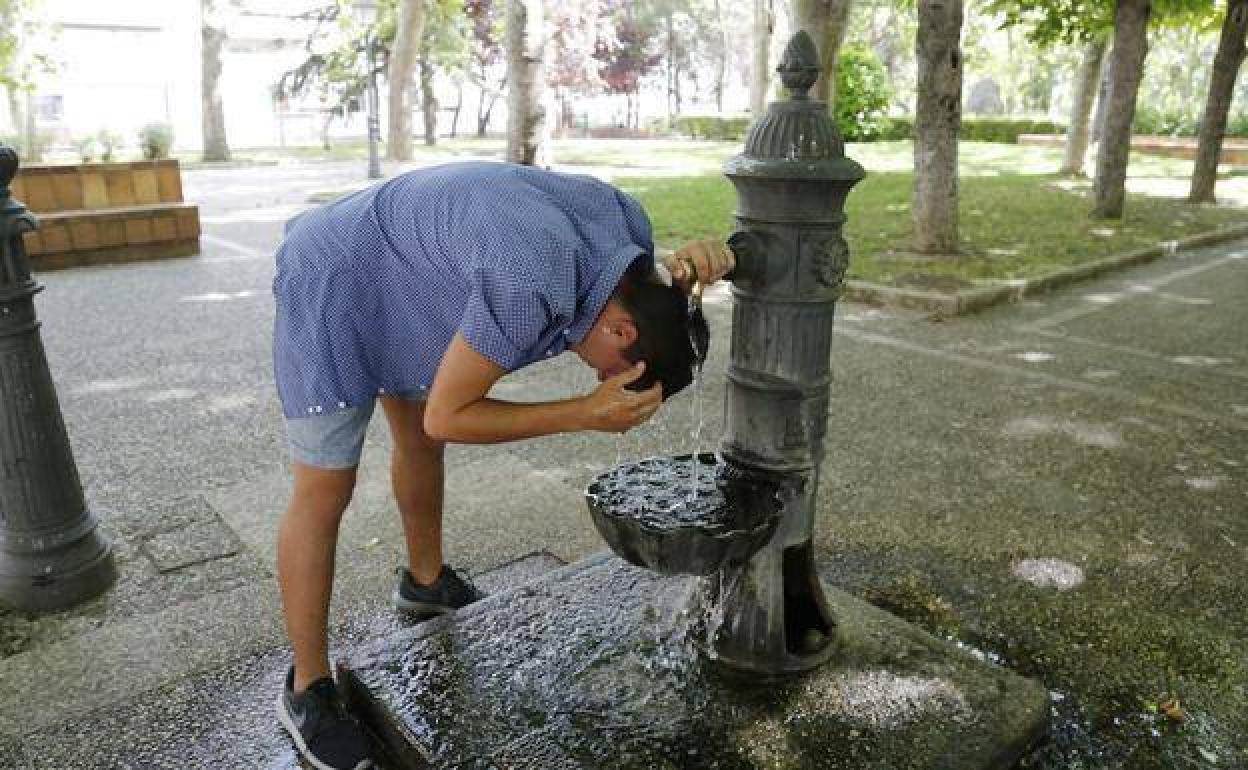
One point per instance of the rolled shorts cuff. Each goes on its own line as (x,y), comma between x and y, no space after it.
(335,440)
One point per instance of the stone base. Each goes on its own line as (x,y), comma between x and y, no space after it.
(596,665)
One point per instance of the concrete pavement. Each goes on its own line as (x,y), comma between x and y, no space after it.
(1059,484)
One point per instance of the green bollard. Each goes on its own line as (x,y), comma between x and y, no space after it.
(52,555)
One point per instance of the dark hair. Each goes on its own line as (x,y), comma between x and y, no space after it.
(666,329)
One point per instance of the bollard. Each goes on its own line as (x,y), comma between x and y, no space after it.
(51,554)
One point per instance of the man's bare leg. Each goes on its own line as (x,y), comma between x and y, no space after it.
(306,542)
(416,473)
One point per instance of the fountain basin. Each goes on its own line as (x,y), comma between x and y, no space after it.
(683,515)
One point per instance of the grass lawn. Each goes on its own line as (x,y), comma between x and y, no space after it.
(1016,220)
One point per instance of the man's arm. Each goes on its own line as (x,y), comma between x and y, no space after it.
(460,410)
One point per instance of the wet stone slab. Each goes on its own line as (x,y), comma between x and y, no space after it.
(596,666)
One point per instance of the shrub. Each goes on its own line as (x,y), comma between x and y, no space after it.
(1150,120)
(1237,125)
(156,140)
(731,129)
(862,95)
(1004,130)
(109,142)
(85,147)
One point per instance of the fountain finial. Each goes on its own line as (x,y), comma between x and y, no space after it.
(799,67)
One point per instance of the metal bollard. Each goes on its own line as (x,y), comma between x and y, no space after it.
(52,555)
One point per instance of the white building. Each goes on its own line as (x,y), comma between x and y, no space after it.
(121,64)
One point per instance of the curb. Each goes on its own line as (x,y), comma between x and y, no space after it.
(983,297)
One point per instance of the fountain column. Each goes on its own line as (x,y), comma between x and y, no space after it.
(791,181)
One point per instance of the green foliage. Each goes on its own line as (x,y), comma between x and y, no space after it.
(712,127)
(1003,130)
(1237,125)
(109,142)
(862,95)
(1076,21)
(85,147)
(1150,120)
(156,140)
(899,127)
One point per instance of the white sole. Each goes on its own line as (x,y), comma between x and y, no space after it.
(295,736)
(406,605)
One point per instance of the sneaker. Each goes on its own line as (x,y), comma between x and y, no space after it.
(326,735)
(449,592)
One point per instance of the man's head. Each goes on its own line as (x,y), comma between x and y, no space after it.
(645,320)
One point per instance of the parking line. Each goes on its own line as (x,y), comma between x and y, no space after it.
(1103,391)
(1079,312)
(244,252)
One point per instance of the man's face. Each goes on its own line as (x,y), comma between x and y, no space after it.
(604,345)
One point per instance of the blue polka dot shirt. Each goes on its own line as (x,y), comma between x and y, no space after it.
(371,288)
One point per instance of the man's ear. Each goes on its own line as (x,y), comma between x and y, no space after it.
(623,330)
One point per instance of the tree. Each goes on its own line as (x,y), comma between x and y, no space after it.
(937,118)
(578,25)
(488,71)
(213,33)
(444,47)
(527,140)
(628,55)
(1087,81)
(825,21)
(337,64)
(408,37)
(1226,63)
(23,57)
(760,68)
(1126,67)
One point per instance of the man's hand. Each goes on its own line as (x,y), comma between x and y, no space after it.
(699,262)
(613,408)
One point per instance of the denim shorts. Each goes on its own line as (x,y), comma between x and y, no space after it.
(335,440)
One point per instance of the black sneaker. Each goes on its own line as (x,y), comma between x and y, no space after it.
(449,592)
(326,735)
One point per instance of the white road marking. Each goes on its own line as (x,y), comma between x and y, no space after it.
(1099,302)
(244,252)
(1103,391)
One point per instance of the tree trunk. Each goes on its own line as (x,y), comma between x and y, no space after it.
(408,35)
(428,101)
(937,118)
(459,106)
(212,31)
(1086,82)
(325,124)
(760,68)
(527,141)
(32,143)
(825,21)
(721,58)
(1226,64)
(1126,68)
(1102,105)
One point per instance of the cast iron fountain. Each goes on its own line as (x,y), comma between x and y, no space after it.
(791,180)
(602,664)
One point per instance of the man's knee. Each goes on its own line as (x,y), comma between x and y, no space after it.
(321,493)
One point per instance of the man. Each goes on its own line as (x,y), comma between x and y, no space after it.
(421,293)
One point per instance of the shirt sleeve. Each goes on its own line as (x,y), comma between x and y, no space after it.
(505,320)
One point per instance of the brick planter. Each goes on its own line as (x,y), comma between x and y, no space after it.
(107,212)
